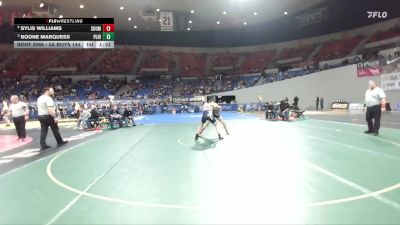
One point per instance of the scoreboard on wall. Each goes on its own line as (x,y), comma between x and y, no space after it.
(64,33)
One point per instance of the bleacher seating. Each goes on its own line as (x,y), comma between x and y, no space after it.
(29,62)
(301,51)
(116,61)
(157,60)
(192,64)
(225,60)
(121,61)
(393,32)
(5,54)
(97,89)
(257,61)
(338,49)
(80,59)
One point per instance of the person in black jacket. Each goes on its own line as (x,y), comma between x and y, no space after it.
(115,115)
(94,116)
(296,102)
(285,107)
(128,115)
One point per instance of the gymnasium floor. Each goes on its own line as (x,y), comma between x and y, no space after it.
(310,171)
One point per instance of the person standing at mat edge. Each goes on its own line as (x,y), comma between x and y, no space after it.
(321,103)
(316,103)
(47,117)
(375,101)
(5,112)
(19,112)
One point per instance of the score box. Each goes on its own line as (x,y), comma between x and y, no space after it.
(108,27)
(108,36)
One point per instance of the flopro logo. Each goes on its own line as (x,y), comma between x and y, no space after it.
(377,14)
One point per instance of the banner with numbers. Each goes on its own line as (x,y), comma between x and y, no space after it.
(167,21)
(390,82)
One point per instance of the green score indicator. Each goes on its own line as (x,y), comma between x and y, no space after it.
(108,36)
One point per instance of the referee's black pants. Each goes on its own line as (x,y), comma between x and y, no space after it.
(19,123)
(46,122)
(374,112)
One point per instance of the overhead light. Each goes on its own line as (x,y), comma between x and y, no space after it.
(245,23)
(224,12)
(121,8)
(129,18)
(158,10)
(192,11)
(1,3)
(218,22)
(81,6)
(95,17)
(60,16)
(285,13)
(255,13)
(135,27)
(159,20)
(190,21)
(41,5)
(188,28)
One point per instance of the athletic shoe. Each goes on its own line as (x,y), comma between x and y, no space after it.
(196,137)
(375,133)
(367,132)
(220,137)
(62,143)
(45,147)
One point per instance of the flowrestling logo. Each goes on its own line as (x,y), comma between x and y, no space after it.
(377,14)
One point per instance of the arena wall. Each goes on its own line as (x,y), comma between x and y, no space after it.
(333,84)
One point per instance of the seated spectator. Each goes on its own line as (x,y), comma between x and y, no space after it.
(85,115)
(128,116)
(115,115)
(94,116)
(271,111)
(285,107)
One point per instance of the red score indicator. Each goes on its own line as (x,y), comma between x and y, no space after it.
(108,27)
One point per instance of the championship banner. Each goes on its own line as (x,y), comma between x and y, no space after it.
(390,82)
(167,21)
(368,69)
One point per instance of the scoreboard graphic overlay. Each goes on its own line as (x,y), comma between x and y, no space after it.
(64,33)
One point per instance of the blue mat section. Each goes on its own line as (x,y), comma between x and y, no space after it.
(186,118)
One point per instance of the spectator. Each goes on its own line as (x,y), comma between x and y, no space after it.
(128,116)
(115,115)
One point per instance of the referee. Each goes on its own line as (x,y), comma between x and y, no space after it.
(47,117)
(375,101)
(19,112)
